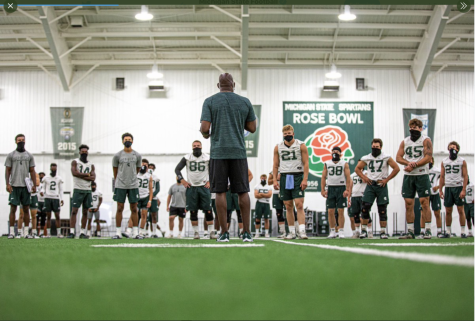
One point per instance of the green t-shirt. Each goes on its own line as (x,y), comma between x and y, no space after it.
(228,113)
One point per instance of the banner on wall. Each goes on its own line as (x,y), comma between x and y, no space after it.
(66,128)
(252,140)
(427,116)
(324,125)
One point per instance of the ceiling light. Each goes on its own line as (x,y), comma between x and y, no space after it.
(333,74)
(347,15)
(144,15)
(154,74)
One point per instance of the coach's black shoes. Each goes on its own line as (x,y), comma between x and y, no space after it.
(223,237)
(364,234)
(246,237)
(71,236)
(83,236)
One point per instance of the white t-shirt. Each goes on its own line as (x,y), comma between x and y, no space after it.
(453,172)
(263,189)
(96,195)
(358,185)
(52,187)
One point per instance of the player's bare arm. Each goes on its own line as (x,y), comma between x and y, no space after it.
(400,155)
(323,182)
(442,181)
(204,129)
(115,170)
(394,172)
(257,194)
(270,180)
(304,152)
(249,175)
(98,205)
(427,153)
(275,168)
(169,198)
(465,180)
(251,126)
(33,178)
(348,181)
(8,171)
(76,173)
(150,192)
(359,171)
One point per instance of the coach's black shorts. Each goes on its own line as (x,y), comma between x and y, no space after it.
(220,170)
(178,211)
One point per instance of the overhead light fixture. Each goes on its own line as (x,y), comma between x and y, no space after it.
(331,85)
(154,74)
(347,15)
(333,74)
(144,15)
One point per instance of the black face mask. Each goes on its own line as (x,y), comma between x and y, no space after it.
(128,144)
(53,173)
(20,147)
(263,182)
(83,158)
(93,189)
(197,152)
(143,169)
(41,179)
(415,134)
(288,138)
(375,152)
(431,165)
(178,181)
(336,157)
(453,154)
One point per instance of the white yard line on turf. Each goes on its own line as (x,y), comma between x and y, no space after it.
(417,244)
(178,245)
(418,257)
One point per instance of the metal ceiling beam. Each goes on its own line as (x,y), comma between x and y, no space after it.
(65,14)
(84,76)
(73,48)
(28,15)
(226,13)
(57,46)
(244,45)
(446,47)
(226,46)
(425,54)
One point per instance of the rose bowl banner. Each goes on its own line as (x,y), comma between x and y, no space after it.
(427,116)
(66,127)
(324,125)
(252,140)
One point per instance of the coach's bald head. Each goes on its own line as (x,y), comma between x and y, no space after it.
(226,82)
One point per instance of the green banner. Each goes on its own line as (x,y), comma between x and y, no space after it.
(427,116)
(324,125)
(252,140)
(66,127)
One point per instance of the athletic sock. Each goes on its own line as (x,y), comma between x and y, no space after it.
(135,231)
(72,230)
(469,231)
(296,224)
(267,231)
(302,228)
(129,230)
(449,229)
(462,228)
(98,233)
(25,230)
(58,231)
(154,228)
(143,231)
(428,225)
(422,231)
(89,232)
(282,228)
(364,227)
(210,228)
(383,230)
(439,230)
(410,227)
(83,231)
(292,229)
(240,230)
(341,231)
(34,232)
(196,228)
(48,230)
(118,231)
(332,231)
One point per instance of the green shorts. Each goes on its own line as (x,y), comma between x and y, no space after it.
(291,194)
(435,203)
(377,192)
(198,198)
(19,196)
(468,211)
(154,207)
(232,200)
(34,203)
(356,206)
(52,205)
(142,203)
(451,196)
(82,198)
(277,203)
(262,209)
(417,183)
(120,194)
(213,205)
(335,197)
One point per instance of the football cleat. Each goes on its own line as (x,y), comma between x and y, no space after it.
(170,236)
(223,237)
(180,236)
(72,235)
(364,234)
(60,236)
(383,236)
(290,236)
(356,235)
(154,236)
(116,237)
(19,236)
(47,236)
(427,235)
(246,237)
(127,236)
(196,236)
(463,235)
(337,235)
(407,236)
(331,236)
(213,235)
(267,235)
(303,236)
(205,234)
(11,236)
(257,235)
(420,237)
(342,236)
(35,236)
(281,236)
(469,234)
(28,236)
(370,234)
(138,237)
(445,236)
(83,236)
(440,234)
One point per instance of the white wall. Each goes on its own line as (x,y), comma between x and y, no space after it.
(169,125)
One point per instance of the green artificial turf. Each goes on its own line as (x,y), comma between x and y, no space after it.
(68,279)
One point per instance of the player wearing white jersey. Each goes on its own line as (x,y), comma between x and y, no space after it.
(454,176)
(355,203)
(376,178)
(336,172)
(84,174)
(468,208)
(52,190)
(41,214)
(278,204)
(263,194)
(291,159)
(435,204)
(153,210)
(415,153)
(94,211)
(198,195)
(145,195)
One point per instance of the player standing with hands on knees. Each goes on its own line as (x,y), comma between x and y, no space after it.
(224,118)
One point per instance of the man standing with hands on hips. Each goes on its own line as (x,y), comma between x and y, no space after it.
(224,118)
